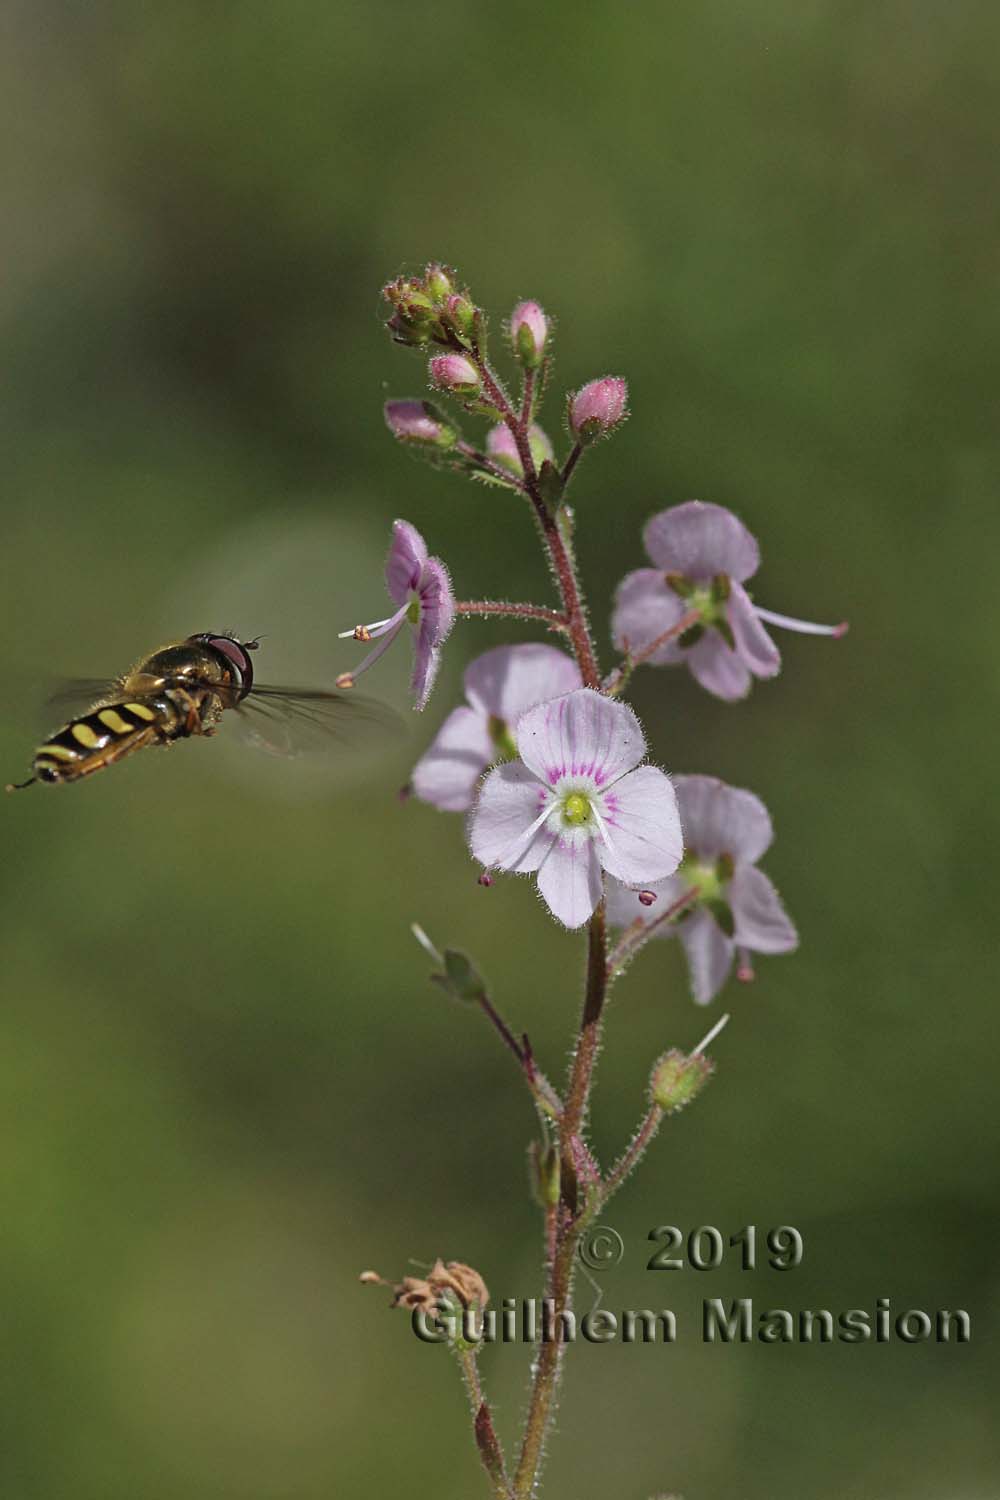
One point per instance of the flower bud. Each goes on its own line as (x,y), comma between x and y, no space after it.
(461,313)
(438,282)
(419,422)
(501,447)
(677,1079)
(529,331)
(598,408)
(545,1173)
(454,373)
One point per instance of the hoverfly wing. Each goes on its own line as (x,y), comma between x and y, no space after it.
(295,721)
(76,695)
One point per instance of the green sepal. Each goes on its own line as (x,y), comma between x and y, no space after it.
(438,282)
(486,476)
(463,978)
(682,587)
(721,588)
(550,484)
(479,331)
(525,350)
(691,636)
(545,1173)
(677,1079)
(726,631)
(723,914)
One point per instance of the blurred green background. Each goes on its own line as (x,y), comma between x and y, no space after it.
(226,1086)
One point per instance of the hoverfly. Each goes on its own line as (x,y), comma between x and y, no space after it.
(183,689)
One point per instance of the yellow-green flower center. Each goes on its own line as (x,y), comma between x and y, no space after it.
(413,610)
(576,809)
(706,877)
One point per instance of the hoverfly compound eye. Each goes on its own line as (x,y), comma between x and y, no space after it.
(236,653)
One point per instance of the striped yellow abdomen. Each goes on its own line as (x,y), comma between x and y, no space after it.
(101,737)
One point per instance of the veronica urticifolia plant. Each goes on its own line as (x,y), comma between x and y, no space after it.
(551,768)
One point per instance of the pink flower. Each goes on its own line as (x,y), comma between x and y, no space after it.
(576,804)
(499,686)
(529,330)
(500,445)
(421,587)
(598,408)
(735,909)
(703,555)
(454,373)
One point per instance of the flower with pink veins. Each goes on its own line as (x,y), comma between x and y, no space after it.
(702,557)
(733,910)
(577,804)
(499,686)
(420,586)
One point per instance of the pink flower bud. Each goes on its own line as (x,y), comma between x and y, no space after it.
(454,373)
(500,445)
(529,330)
(419,422)
(598,408)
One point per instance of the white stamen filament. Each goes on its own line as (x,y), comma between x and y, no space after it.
(707,1040)
(803,627)
(425,943)
(376,628)
(599,821)
(518,845)
(388,636)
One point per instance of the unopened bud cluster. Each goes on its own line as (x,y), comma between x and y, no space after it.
(433,309)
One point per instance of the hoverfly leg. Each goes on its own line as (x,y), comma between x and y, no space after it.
(19,786)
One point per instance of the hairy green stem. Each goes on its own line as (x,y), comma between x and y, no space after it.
(559,1281)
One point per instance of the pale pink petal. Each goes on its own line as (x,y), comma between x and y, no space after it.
(645,607)
(761,921)
(644,840)
(570,878)
(437,602)
(699,540)
(426,662)
(509,679)
(437,615)
(447,773)
(753,643)
(624,904)
(510,802)
(719,670)
(407,555)
(720,819)
(709,955)
(581,734)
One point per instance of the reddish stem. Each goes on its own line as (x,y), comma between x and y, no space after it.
(551,617)
(622,673)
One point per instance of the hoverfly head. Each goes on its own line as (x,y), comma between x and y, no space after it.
(236,652)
